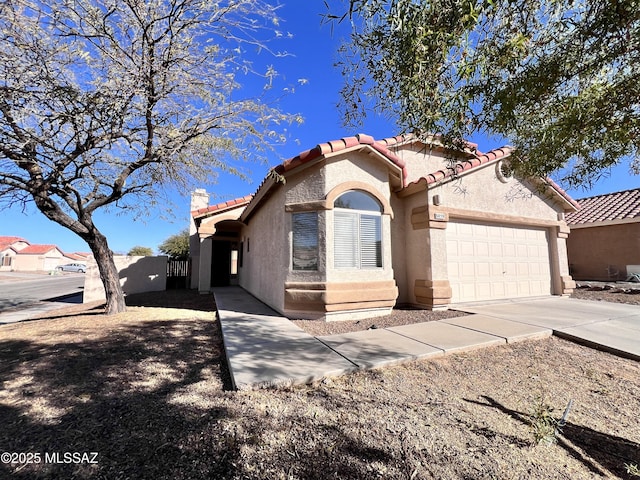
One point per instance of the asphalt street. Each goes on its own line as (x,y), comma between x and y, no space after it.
(23,290)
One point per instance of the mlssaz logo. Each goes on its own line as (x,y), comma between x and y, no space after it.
(71,457)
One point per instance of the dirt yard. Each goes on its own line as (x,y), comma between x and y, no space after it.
(147,392)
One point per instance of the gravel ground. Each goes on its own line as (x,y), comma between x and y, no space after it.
(399,316)
(145,391)
(595,291)
(607,292)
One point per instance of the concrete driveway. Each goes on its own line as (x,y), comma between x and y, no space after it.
(613,327)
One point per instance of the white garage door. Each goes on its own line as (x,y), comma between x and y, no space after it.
(492,261)
(50,263)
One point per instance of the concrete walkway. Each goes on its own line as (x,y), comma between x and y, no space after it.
(265,349)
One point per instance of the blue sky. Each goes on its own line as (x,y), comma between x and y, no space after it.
(313,48)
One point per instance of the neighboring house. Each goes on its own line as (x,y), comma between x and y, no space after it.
(604,243)
(78,257)
(18,254)
(359,225)
(38,258)
(9,247)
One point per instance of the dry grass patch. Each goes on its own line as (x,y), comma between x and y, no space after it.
(146,390)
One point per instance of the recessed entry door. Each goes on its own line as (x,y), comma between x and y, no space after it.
(221,263)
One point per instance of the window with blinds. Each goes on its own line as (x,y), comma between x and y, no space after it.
(305,241)
(357,234)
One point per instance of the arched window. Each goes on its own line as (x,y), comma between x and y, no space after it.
(357,233)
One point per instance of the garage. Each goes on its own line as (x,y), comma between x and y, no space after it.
(492,261)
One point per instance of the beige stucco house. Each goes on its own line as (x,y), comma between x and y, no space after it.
(355,226)
(38,258)
(605,237)
(9,248)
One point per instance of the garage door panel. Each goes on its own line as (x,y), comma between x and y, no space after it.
(467,270)
(510,270)
(483,269)
(524,289)
(489,261)
(532,251)
(498,291)
(523,269)
(521,251)
(509,249)
(497,269)
(466,248)
(483,288)
(480,230)
(511,290)
(482,249)
(496,249)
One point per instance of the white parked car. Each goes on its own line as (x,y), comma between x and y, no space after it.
(72,267)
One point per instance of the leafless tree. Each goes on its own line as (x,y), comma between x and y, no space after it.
(104,102)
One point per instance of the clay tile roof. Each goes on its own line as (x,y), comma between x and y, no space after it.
(335,146)
(478,159)
(38,249)
(6,242)
(608,207)
(560,191)
(228,205)
(12,239)
(465,165)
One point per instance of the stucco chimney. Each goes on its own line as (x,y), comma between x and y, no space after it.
(199,199)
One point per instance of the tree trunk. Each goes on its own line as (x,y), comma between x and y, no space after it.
(108,272)
(85,229)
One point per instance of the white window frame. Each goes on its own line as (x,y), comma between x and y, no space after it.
(339,259)
(295,266)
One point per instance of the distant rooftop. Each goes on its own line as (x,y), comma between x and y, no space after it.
(38,249)
(608,207)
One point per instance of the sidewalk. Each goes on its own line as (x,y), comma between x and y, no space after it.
(265,349)
(27,313)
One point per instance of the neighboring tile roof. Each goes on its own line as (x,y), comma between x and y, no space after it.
(38,249)
(607,207)
(6,242)
(78,256)
(228,205)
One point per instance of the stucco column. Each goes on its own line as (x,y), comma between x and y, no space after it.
(431,287)
(204,274)
(565,282)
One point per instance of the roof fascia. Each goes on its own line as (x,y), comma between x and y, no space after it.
(570,205)
(369,150)
(270,183)
(604,223)
(261,195)
(213,213)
